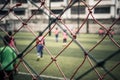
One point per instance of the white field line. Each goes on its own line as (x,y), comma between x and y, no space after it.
(51,77)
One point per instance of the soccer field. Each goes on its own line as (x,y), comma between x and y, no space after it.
(70,59)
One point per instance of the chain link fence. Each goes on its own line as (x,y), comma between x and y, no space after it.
(73,38)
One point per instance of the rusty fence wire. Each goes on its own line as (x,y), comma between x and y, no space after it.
(57,20)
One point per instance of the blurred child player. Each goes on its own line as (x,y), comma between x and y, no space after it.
(64,37)
(7,55)
(56,34)
(40,42)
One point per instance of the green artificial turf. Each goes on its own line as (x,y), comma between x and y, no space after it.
(71,58)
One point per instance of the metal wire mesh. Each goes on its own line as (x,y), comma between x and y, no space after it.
(57,21)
